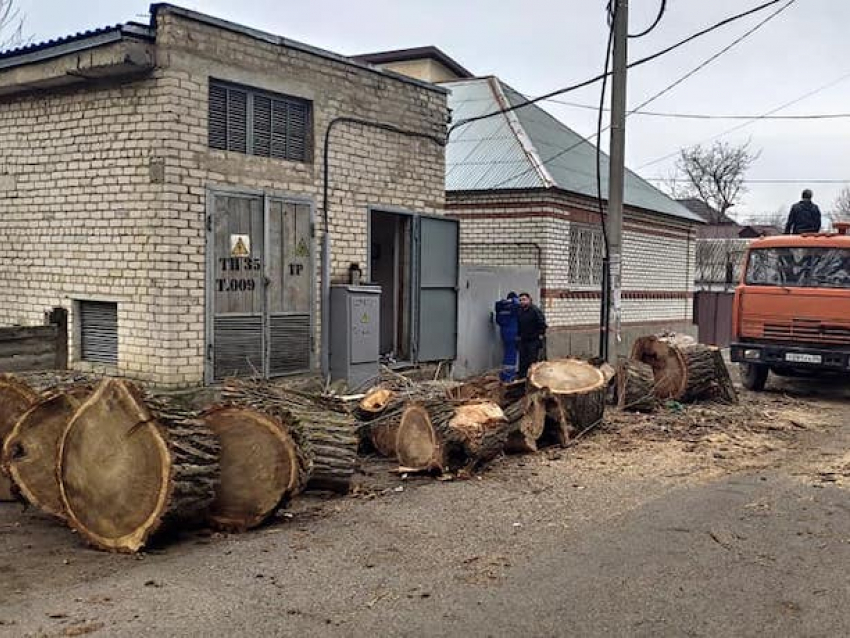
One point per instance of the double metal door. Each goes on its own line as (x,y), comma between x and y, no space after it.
(259,286)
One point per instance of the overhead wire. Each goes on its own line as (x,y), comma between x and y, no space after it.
(755,119)
(661,11)
(710,116)
(597,136)
(631,65)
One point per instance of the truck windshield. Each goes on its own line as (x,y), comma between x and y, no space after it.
(799,267)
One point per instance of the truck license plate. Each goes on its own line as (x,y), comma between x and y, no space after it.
(797,357)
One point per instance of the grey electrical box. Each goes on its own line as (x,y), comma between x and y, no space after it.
(355,333)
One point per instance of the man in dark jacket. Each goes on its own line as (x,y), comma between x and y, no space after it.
(804,216)
(532,331)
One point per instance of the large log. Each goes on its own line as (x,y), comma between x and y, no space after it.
(16,398)
(726,392)
(683,369)
(635,386)
(527,418)
(489,388)
(261,466)
(322,427)
(31,450)
(374,403)
(574,392)
(439,435)
(127,471)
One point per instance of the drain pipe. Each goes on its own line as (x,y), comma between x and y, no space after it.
(326,235)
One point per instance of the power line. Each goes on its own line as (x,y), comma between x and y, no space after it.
(710,116)
(661,11)
(764,116)
(759,181)
(632,65)
(645,103)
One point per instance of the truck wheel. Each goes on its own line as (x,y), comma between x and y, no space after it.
(754,376)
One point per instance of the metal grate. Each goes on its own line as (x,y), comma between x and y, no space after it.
(289,337)
(99,332)
(585,256)
(279,126)
(719,261)
(238,346)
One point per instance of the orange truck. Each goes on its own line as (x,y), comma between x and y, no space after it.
(791,314)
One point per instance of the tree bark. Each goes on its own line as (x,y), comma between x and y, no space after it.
(128,470)
(439,435)
(321,426)
(31,450)
(683,369)
(574,392)
(726,392)
(489,388)
(16,397)
(527,418)
(635,386)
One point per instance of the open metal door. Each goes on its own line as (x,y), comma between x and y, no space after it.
(437,254)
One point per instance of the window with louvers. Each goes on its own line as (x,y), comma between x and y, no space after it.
(98,331)
(259,123)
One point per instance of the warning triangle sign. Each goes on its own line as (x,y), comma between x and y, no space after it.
(239,249)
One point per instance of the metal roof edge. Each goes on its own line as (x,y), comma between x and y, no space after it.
(270,38)
(429,52)
(518,130)
(72,44)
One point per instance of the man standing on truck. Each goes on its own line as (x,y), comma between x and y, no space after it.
(804,216)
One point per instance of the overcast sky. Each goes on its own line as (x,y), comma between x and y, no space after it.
(540,45)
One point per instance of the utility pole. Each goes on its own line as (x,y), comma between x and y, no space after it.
(616,178)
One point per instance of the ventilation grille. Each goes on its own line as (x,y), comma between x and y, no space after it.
(238,346)
(290,344)
(99,332)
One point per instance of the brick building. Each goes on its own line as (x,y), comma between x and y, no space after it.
(523,186)
(163,183)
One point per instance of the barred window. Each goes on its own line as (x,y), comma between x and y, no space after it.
(255,122)
(585,255)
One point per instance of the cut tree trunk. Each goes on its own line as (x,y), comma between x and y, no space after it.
(574,392)
(321,426)
(374,403)
(261,467)
(489,388)
(439,435)
(380,433)
(726,392)
(683,369)
(635,386)
(16,398)
(127,470)
(528,420)
(31,449)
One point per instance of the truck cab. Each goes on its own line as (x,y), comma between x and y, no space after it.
(791,314)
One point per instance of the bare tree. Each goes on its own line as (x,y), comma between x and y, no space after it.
(776,219)
(11,25)
(840,207)
(714,174)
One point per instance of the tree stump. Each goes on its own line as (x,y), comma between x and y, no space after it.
(127,471)
(574,392)
(527,418)
(16,398)
(439,435)
(635,386)
(683,369)
(726,392)
(261,467)
(31,450)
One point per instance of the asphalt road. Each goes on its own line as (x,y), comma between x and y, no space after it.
(573,546)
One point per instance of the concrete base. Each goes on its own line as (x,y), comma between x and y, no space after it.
(564,342)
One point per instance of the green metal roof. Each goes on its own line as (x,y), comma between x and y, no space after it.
(525,149)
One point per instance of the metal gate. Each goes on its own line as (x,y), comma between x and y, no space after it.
(437,277)
(260,286)
(713,316)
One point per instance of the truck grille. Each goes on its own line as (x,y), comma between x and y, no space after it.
(798,330)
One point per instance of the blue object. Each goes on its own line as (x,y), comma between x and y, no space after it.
(507,318)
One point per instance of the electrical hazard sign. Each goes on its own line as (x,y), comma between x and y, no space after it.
(240,245)
(364,318)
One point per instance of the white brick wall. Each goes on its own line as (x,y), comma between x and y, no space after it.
(81,217)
